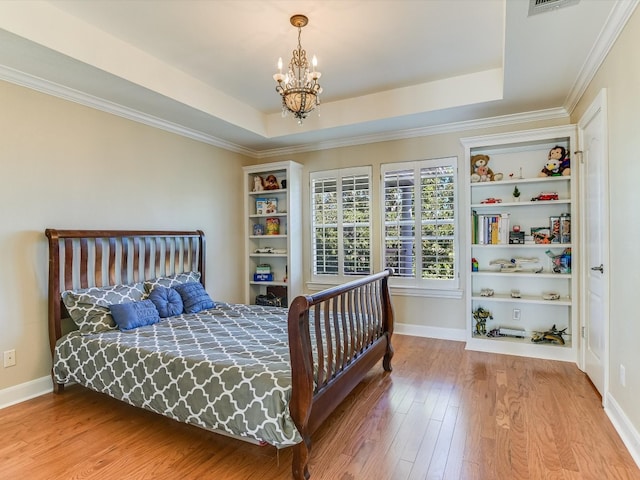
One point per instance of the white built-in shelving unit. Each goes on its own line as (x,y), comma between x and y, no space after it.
(520,156)
(281,251)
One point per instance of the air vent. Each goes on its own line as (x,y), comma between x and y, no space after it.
(541,6)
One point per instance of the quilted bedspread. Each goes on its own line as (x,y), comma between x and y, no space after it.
(223,369)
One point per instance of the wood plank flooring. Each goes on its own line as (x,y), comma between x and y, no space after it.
(444,413)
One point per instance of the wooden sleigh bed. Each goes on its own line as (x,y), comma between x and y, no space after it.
(327,341)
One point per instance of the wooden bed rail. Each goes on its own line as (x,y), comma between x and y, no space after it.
(335,337)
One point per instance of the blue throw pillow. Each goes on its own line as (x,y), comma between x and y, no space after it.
(167,300)
(131,315)
(194,297)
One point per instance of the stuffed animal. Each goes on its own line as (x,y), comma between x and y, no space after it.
(258,184)
(558,163)
(480,171)
(271,183)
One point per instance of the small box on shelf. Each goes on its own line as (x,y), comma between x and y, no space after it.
(263,277)
(263,268)
(554,228)
(565,228)
(273,226)
(516,238)
(258,229)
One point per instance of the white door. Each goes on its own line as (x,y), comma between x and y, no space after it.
(595,218)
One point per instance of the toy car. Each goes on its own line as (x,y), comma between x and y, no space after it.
(545,196)
(491,200)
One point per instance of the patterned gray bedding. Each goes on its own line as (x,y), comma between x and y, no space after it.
(225,369)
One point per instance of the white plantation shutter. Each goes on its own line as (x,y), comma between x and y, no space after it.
(419,205)
(341,222)
(399,222)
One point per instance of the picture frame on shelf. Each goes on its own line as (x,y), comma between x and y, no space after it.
(266,206)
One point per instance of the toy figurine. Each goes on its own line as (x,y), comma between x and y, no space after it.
(480,315)
(258,184)
(553,335)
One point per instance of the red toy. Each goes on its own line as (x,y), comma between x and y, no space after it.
(544,196)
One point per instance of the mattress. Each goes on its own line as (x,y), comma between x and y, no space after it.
(225,369)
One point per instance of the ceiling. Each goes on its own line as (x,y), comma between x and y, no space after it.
(390,69)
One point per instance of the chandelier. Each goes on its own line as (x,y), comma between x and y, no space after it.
(299,87)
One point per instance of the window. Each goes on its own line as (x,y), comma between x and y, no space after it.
(419,205)
(341,222)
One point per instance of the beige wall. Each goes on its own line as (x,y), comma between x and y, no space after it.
(620,75)
(69,166)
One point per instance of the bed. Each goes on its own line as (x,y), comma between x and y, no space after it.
(264,374)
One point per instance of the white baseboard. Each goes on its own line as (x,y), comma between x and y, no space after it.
(455,334)
(25,391)
(629,435)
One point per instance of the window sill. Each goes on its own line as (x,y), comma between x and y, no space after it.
(402,291)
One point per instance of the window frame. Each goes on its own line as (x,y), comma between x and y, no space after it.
(339,175)
(415,285)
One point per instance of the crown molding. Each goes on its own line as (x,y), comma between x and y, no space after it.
(54,89)
(618,18)
(548,114)
(51,88)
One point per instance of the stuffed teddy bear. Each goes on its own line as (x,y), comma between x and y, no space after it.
(271,183)
(558,163)
(480,171)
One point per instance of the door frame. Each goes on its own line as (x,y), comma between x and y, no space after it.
(599,104)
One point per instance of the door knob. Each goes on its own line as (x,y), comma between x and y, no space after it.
(600,268)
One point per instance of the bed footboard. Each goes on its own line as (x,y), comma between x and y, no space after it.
(335,337)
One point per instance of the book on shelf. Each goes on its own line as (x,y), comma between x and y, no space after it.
(490,228)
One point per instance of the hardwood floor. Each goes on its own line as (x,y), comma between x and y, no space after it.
(444,413)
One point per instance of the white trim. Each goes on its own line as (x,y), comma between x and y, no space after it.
(405,291)
(25,391)
(454,334)
(499,121)
(618,18)
(629,435)
(56,90)
(317,286)
(599,104)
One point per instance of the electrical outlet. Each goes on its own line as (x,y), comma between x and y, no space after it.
(516,314)
(623,376)
(9,358)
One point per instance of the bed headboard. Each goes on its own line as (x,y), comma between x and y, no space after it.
(100,258)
